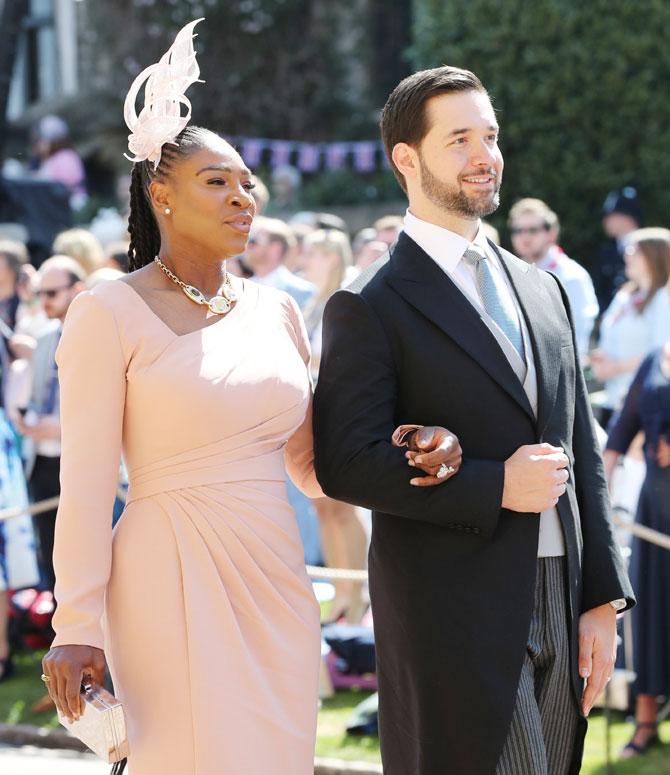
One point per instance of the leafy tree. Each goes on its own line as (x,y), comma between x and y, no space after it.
(273,68)
(581,93)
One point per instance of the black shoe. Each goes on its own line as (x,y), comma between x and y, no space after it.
(634,749)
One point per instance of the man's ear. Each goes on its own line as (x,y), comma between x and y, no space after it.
(406,160)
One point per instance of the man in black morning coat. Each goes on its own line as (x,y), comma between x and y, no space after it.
(495,593)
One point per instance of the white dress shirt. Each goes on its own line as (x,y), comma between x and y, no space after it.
(579,288)
(447,248)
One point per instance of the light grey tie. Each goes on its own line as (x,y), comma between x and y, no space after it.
(500,307)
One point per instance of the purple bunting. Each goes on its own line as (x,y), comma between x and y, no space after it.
(336,154)
(364,156)
(309,156)
(281,152)
(252,151)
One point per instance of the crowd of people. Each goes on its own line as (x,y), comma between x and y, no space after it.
(621,313)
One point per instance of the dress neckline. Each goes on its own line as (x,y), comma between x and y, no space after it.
(240,302)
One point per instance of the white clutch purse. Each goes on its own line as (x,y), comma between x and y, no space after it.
(102,726)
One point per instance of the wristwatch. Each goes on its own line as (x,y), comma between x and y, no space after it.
(618,605)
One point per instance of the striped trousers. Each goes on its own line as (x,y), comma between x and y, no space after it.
(541,737)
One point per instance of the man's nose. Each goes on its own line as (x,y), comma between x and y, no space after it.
(483,154)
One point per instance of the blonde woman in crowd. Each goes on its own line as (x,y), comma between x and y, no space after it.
(327,256)
(81,245)
(638,319)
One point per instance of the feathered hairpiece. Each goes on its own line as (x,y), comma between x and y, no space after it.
(160,120)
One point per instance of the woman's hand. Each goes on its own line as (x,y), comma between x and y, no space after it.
(66,667)
(663,453)
(431,447)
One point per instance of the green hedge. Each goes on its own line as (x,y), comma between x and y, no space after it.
(581,89)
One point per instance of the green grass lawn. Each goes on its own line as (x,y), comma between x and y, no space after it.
(18,694)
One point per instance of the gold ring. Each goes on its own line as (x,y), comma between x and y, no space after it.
(45,678)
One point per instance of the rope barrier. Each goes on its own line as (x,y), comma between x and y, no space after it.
(645,533)
(344,574)
(42,506)
(34,508)
(338,574)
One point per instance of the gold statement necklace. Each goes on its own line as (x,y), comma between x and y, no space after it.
(220,304)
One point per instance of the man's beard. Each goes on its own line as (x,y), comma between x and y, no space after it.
(454,199)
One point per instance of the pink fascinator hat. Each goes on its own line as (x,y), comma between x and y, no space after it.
(160,120)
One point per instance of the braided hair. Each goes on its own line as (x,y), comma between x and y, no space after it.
(145,239)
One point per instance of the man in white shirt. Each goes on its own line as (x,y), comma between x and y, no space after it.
(534,229)
(269,244)
(495,594)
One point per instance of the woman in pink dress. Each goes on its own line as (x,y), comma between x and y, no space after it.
(199,600)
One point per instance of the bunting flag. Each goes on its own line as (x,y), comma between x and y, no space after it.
(364,156)
(281,153)
(336,155)
(308,157)
(251,150)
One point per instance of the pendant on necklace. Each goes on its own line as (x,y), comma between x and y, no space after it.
(228,292)
(219,305)
(194,294)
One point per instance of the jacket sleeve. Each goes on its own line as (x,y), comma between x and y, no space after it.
(354,419)
(299,451)
(92,374)
(604,577)
(626,424)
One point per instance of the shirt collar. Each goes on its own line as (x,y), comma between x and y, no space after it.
(550,260)
(443,246)
(272,278)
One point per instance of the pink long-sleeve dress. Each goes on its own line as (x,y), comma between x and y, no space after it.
(200,596)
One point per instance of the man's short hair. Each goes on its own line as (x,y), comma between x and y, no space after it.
(277,231)
(537,207)
(389,222)
(404,118)
(66,264)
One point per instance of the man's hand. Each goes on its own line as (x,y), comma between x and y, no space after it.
(429,448)
(597,651)
(535,477)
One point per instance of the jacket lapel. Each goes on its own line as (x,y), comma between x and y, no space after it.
(543,327)
(421,282)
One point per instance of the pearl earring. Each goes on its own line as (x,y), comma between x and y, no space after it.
(167,211)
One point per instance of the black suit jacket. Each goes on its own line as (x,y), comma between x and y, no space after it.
(452,573)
